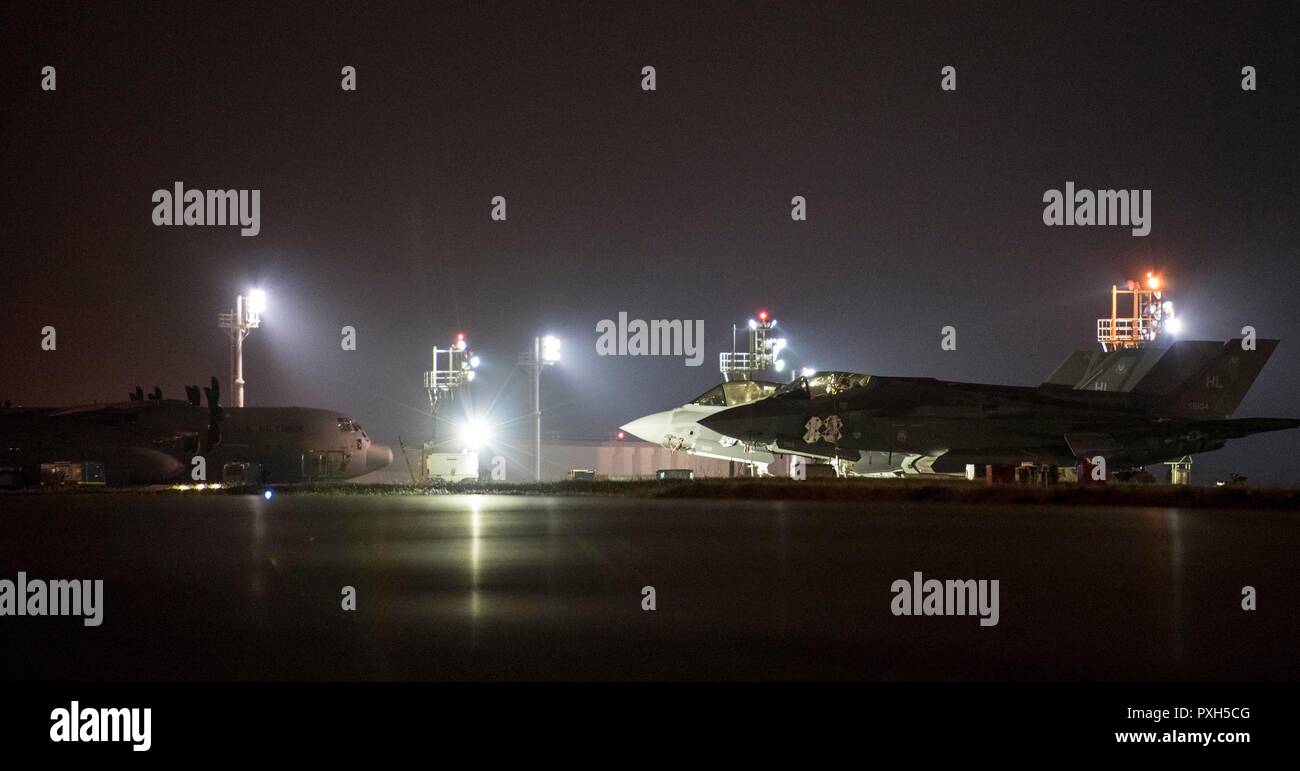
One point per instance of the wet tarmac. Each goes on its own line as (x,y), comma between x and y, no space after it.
(221,587)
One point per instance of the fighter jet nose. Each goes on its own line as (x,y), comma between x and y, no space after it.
(378,456)
(652,428)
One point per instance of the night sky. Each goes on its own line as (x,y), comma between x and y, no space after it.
(924,206)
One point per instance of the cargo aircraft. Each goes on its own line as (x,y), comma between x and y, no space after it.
(151,440)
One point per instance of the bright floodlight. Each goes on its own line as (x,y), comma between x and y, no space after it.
(257,301)
(474,361)
(1174,326)
(1153,281)
(780,365)
(753,324)
(475,434)
(550,348)
(807,372)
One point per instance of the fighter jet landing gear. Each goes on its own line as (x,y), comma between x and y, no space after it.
(1027,473)
(739,468)
(998,474)
(1037,475)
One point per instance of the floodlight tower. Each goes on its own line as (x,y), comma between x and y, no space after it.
(1139,317)
(246,317)
(545,352)
(764,351)
(453,368)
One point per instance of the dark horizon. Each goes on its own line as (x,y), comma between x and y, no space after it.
(924,206)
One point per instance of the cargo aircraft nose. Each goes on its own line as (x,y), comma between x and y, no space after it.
(378,456)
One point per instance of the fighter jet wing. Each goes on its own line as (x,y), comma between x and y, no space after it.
(1086,445)
(821,449)
(1236,428)
(1163,438)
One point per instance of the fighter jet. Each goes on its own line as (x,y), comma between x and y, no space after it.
(680,429)
(946,426)
(154,440)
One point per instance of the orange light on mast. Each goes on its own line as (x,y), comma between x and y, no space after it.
(1153,281)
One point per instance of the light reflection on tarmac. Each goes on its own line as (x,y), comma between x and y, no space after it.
(203,587)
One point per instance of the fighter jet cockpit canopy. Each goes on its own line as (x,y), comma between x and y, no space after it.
(821,384)
(735,393)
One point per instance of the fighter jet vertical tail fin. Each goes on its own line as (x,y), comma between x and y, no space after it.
(1116,371)
(1176,365)
(1072,370)
(215,413)
(1217,389)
